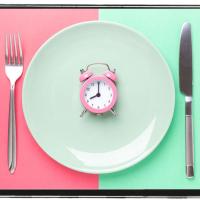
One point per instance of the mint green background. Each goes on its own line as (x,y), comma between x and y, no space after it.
(165,167)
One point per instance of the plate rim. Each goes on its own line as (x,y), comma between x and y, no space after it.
(146,153)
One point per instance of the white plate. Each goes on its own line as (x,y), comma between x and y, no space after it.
(98,144)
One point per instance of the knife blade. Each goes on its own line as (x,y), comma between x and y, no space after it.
(185,82)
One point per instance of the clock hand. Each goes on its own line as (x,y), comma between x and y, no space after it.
(98,94)
(98,87)
(94,96)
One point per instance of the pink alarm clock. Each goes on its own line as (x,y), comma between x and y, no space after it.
(98,93)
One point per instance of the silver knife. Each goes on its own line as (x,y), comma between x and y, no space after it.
(185,81)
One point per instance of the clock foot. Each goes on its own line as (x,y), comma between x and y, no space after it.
(113,112)
(83,112)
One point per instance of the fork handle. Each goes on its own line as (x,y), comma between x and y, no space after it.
(12,132)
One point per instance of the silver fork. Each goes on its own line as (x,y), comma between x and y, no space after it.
(13,70)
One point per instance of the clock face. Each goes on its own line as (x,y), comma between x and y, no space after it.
(99,95)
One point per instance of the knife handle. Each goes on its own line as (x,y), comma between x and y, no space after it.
(189,138)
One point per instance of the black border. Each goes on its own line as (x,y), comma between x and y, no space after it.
(101,192)
(100,6)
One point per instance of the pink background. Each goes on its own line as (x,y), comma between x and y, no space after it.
(35,170)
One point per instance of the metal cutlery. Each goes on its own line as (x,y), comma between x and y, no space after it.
(13,70)
(185,80)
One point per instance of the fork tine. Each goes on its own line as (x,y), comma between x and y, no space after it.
(6,51)
(11,50)
(20,50)
(15,50)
